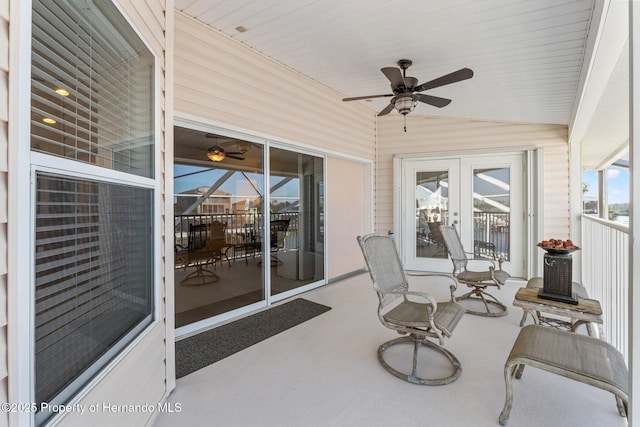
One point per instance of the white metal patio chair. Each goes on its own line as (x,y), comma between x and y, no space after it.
(414,314)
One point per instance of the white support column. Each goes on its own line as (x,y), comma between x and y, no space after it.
(634,214)
(575,209)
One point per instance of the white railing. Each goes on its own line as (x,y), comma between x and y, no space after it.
(605,275)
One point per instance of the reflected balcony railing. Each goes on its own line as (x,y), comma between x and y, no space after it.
(243,227)
(491,232)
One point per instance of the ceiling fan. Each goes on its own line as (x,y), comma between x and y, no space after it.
(406,89)
(217,154)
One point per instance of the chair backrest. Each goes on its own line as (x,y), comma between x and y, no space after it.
(198,235)
(454,246)
(434,232)
(278,228)
(384,266)
(217,238)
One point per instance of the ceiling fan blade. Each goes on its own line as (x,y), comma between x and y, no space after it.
(395,77)
(234,153)
(387,110)
(436,101)
(456,76)
(227,155)
(357,98)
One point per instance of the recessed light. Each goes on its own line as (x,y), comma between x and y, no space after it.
(62,92)
(49,121)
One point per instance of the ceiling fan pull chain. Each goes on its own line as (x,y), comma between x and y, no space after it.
(405,122)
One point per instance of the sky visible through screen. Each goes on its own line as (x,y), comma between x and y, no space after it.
(618,180)
(188,178)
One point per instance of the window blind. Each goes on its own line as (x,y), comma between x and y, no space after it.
(95,83)
(93,267)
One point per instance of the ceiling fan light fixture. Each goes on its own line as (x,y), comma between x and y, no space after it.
(215,154)
(242,146)
(405,104)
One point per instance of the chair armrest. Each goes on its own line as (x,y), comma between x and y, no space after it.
(430,313)
(452,288)
(492,262)
(424,295)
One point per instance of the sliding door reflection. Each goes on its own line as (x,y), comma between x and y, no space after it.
(218,205)
(296,230)
(227,243)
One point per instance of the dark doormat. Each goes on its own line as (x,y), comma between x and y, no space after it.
(208,347)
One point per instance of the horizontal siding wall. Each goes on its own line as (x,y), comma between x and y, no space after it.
(4,154)
(432,135)
(221,80)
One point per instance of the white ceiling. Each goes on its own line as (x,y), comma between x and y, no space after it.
(530,58)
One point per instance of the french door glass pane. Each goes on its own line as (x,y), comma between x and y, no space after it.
(491,212)
(432,208)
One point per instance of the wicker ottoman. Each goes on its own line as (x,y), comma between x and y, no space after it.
(553,350)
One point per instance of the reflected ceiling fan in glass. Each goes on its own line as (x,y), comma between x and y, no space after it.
(216,153)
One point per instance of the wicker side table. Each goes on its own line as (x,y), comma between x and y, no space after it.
(587,312)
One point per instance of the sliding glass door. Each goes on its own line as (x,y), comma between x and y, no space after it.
(296,214)
(242,240)
(219,189)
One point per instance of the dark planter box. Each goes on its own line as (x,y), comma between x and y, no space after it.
(556,283)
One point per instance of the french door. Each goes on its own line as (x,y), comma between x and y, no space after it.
(482,196)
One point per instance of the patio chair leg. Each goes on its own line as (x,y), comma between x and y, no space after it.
(508,376)
(201,276)
(413,377)
(622,406)
(414,372)
(479,294)
(524,318)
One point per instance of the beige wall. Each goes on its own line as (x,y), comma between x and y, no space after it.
(4,154)
(348,213)
(221,80)
(138,379)
(432,135)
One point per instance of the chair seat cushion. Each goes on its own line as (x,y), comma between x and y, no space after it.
(416,315)
(468,276)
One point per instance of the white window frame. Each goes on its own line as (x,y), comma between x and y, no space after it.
(21,215)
